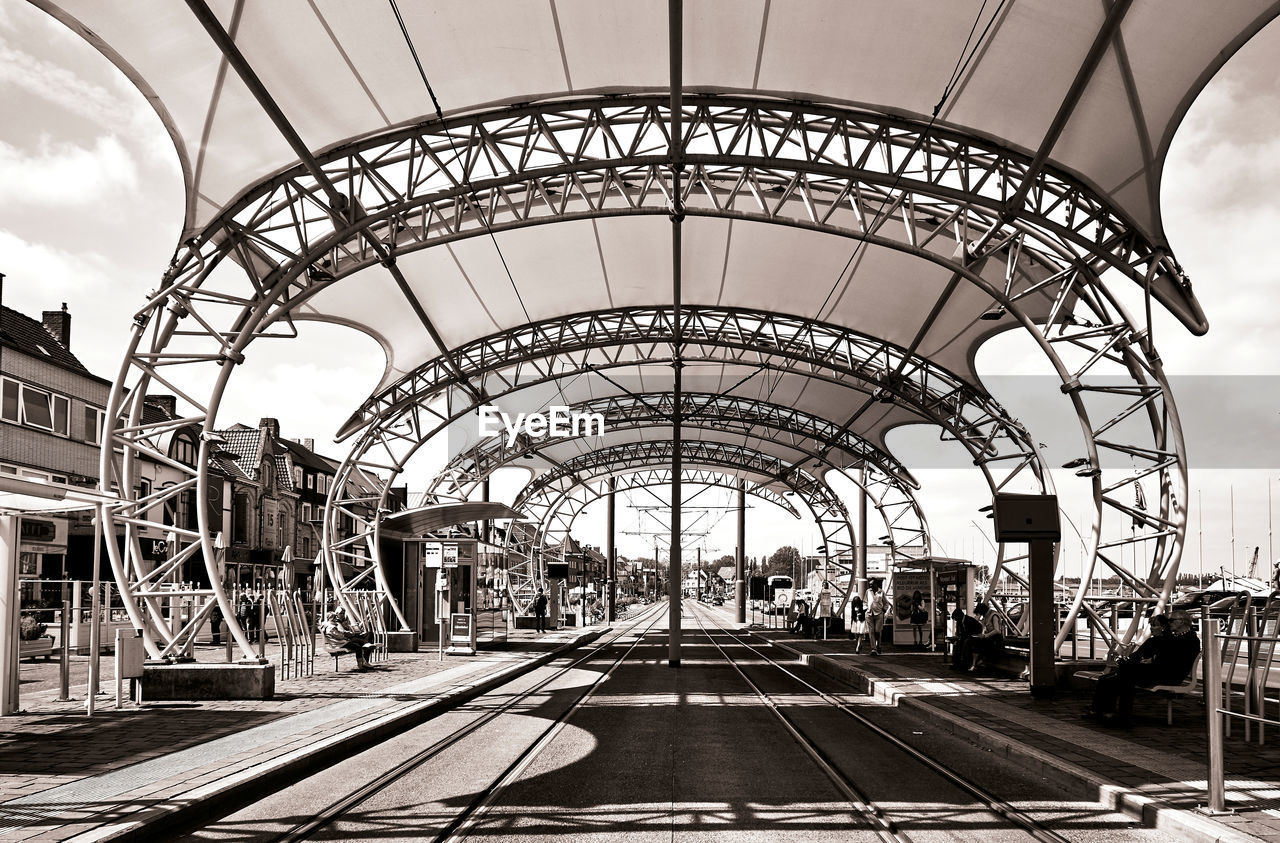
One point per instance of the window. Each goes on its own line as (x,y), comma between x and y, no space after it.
(184,450)
(240,520)
(306,512)
(297,477)
(322,481)
(21,403)
(94,423)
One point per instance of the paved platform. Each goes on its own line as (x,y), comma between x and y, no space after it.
(66,776)
(1150,769)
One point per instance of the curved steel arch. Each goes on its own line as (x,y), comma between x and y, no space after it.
(998,444)
(778,162)
(886,482)
(491,170)
(736,413)
(542,494)
(526,545)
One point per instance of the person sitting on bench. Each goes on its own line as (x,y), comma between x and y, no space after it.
(1163,659)
(967,626)
(987,644)
(340,636)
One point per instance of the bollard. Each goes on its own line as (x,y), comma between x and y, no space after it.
(262,627)
(64,642)
(225,630)
(1213,711)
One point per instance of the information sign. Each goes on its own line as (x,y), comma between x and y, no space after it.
(449,552)
(460,629)
(432,554)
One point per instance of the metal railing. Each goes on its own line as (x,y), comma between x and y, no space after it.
(1239,653)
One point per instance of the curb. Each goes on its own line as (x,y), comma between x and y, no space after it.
(1151,812)
(205,803)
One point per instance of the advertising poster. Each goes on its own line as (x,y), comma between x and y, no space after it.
(905,584)
(449,551)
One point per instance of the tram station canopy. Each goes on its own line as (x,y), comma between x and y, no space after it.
(341,72)
(840,201)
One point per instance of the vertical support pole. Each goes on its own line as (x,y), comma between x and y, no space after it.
(1212,662)
(95,611)
(487,526)
(1043,618)
(64,648)
(675,47)
(860,557)
(611,556)
(9,612)
(739,574)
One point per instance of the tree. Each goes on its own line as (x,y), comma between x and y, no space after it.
(784,561)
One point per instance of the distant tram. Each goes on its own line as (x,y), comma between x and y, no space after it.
(767,592)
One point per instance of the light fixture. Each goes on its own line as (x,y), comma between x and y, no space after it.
(883,395)
(993,313)
(1076,463)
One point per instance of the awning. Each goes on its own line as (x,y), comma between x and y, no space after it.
(415,522)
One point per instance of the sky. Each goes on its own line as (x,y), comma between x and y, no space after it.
(92,202)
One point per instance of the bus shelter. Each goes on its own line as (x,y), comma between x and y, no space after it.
(944,585)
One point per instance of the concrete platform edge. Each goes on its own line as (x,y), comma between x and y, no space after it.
(1152,813)
(212,800)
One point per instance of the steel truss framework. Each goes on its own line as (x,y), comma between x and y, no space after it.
(563,349)
(527,546)
(865,176)
(547,495)
(886,483)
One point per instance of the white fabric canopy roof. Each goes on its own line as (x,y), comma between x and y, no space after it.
(341,71)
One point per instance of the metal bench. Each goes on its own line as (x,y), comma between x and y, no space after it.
(1188,686)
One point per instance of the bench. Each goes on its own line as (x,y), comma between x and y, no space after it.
(42,646)
(1187,687)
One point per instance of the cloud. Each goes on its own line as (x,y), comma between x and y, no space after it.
(64,174)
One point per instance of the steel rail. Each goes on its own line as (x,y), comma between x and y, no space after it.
(471,815)
(864,806)
(304,831)
(994,803)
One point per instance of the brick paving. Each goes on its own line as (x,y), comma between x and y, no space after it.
(63,773)
(1156,761)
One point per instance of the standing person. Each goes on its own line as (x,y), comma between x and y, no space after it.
(540,612)
(919,615)
(800,619)
(857,622)
(244,608)
(877,606)
(215,623)
(255,619)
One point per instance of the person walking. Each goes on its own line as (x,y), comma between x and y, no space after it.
(540,612)
(877,607)
(857,622)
